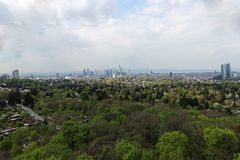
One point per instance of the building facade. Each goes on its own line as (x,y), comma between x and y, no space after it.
(15,74)
(226,71)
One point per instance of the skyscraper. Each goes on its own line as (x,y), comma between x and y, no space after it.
(226,71)
(120,70)
(88,72)
(84,72)
(15,74)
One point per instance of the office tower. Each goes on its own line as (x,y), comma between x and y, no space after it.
(226,71)
(84,72)
(147,71)
(88,72)
(15,74)
(171,74)
(129,72)
(120,70)
(96,73)
(151,72)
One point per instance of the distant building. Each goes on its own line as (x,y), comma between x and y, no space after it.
(235,75)
(95,73)
(88,71)
(217,77)
(84,72)
(147,71)
(171,74)
(151,72)
(129,72)
(4,77)
(120,70)
(226,71)
(15,74)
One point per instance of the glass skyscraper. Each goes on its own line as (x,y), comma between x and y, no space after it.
(226,71)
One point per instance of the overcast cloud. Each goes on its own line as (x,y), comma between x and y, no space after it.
(69,35)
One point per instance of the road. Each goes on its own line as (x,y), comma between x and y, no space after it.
(31,112)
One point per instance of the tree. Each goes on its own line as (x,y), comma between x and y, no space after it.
(49,151)
(28,100)
(31,147)
(84,95)
(6,144)
(84,157)
(3,104)
(15,150)
(237,156)
(220,143)
(144,126)
(173,146)
(34,91)
(53,158)
(147,155)
(3,98)
(101,94)
(14,98)
(75,133)
(128,151)
(194,131)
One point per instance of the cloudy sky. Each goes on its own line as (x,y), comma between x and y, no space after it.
(69,35)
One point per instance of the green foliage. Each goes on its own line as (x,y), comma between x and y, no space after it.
(220,143)
(14,97)
(15,150)
(109,114)
(28,100)
(58,139)
(53,158)
(173,146)
(90,116)
(237,156)
(32,146)
(128,151)
(6,144)
(75,133)
(93,100)
(57,150)
(144,127)
(148,155)
(84,157)
(4,95)
(15,141)
(84,95)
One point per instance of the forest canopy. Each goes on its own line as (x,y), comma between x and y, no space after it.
(121,119)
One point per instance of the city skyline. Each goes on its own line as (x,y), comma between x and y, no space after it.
(125,69)
(53,36)
(225,72)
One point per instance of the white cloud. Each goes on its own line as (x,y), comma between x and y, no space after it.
(51,35)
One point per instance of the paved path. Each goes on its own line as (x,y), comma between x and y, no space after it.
(31,112)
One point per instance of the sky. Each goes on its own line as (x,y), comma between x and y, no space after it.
(69,35)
